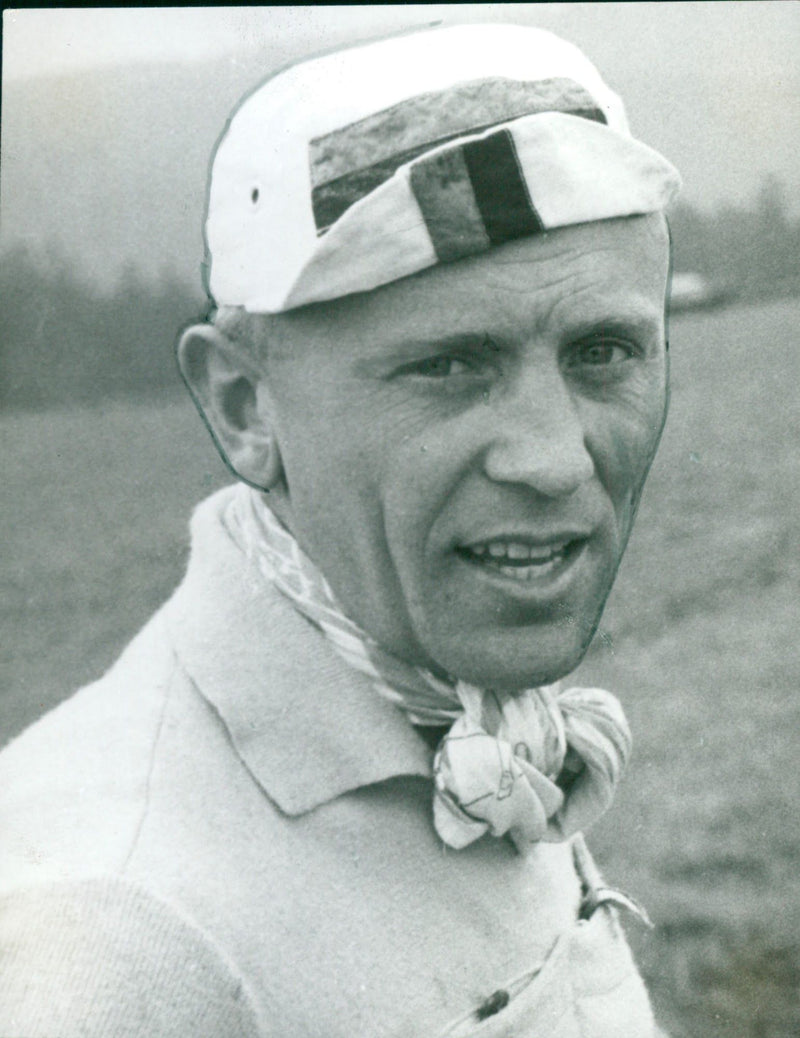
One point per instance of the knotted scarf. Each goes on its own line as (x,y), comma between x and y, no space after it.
(540,764)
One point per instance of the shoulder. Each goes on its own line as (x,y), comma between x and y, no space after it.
(73,786)
(102,956)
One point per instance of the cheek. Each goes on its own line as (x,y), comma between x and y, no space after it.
(326,477)
(417,482)
(623,442)
(355,471)
(420,491)
(322,441)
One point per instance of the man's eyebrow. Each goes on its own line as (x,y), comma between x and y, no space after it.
(631,323)
(411,349)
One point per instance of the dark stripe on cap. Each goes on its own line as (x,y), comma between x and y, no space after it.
(351,162)
(501,193)
(444,194)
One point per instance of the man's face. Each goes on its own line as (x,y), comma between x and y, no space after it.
(464,449)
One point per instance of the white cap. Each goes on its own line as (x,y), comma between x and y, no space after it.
(355,169)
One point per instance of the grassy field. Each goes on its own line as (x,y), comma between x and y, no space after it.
(699,639)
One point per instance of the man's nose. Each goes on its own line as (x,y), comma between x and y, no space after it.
(538,437)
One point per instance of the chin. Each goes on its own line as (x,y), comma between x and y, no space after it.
(511,661)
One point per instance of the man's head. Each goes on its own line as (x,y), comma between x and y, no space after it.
(461,448)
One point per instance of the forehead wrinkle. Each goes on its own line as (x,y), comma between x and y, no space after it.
(613,294)
(628,306)
(533,278)
(558,286)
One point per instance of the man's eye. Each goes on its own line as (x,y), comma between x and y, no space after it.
(601,351)
(440,367)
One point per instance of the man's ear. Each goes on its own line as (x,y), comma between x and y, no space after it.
(230,391)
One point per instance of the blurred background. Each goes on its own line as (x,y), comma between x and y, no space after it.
(109,118)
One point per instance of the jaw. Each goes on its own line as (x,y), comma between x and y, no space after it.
(511,627)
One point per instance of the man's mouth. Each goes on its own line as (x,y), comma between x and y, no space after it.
(522,560)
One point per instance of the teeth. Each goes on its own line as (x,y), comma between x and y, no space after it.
(523,573)
(545,553)
(518,552)
(521,562)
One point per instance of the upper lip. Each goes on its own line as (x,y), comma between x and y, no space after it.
(538,539)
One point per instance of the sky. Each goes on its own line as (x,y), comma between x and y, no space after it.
(51,40)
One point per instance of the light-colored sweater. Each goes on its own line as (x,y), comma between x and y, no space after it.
(230,834)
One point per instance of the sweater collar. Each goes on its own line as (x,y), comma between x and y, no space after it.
(306,725)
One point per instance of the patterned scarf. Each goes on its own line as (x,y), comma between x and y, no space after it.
(539,765)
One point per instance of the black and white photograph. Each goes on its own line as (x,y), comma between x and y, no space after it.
(400,521)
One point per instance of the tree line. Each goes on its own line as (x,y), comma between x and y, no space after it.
(64,341)
(751,250)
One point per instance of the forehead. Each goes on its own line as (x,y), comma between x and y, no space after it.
(601,270)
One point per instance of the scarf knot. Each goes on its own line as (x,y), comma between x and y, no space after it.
(540,764)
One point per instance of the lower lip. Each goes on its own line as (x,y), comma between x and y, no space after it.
(548,578)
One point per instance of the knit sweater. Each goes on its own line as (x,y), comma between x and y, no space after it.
(230,834)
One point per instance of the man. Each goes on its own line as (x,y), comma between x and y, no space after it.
(334,787)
